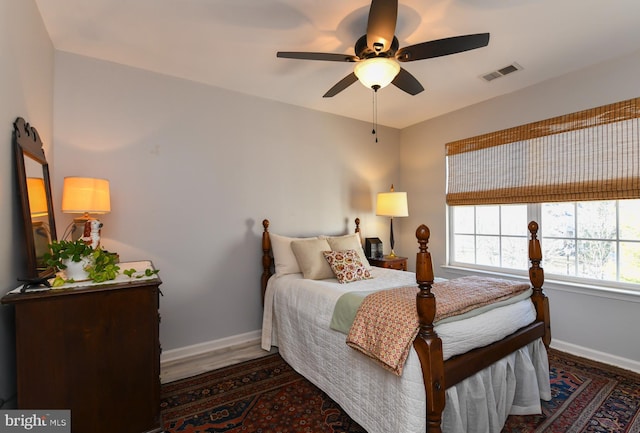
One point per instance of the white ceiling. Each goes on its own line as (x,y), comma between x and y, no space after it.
(232,44)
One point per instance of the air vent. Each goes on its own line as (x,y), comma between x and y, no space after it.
(490,76)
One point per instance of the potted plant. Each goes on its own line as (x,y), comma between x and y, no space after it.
(80,261)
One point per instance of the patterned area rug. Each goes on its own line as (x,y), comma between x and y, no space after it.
(266,395)
(587,396)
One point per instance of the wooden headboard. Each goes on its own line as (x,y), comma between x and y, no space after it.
(267,255)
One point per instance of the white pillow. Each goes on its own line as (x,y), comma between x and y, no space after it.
(309,253)
(283,257)
(348,242)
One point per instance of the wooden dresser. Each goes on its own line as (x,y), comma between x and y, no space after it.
(94,350)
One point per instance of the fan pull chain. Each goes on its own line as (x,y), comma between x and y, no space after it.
(374,131)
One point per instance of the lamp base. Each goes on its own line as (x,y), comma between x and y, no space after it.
(77,227)
(392,255)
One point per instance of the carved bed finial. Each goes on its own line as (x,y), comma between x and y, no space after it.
(424,267)
(536,273)
(536,276)
(266,257)
(423,234)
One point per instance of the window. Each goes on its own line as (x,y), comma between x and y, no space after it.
(593,240)
(577,175)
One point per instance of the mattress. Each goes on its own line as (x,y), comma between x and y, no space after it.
(296,319)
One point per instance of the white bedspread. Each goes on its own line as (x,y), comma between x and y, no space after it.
(297,317)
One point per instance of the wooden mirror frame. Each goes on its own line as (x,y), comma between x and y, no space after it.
(28,149)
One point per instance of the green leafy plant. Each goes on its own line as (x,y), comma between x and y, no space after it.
(66,250)
(131,273)
(101,267)
(104,266)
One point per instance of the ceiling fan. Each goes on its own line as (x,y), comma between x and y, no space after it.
(377,53)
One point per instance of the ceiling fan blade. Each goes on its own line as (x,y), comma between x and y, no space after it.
(442,47)
(381,26)
(317,56)
(407,82)
(341,85)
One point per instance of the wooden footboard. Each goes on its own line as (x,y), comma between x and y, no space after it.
(438,374)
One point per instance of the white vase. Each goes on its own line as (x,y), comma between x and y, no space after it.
(75,270)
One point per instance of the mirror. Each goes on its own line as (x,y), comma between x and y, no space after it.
(34,188)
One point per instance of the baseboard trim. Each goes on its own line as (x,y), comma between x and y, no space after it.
(595,355)
(199,358)
(209,346)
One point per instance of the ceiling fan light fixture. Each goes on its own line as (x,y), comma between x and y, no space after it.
(377,71)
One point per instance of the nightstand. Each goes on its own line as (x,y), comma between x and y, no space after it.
(399,263)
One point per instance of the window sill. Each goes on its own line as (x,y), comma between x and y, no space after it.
(620,294)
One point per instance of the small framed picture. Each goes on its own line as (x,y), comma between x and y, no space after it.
(373,248)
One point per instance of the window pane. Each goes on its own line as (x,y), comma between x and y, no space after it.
(629,227)
(595,240)
(463,219)
(464,249)
(558,220)
(514,220)
(558,256)
(630,262)
(488,250)
(514,253)
(597,219)
(597,259)
(488,220)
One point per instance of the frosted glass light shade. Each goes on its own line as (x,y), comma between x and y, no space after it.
(377,71)
(86,195)
(392,204)
(37,197)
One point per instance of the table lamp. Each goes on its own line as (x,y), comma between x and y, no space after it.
(392,204)
(85,196)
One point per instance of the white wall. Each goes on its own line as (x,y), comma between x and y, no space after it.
(26,86)
(194,170)
(594,323)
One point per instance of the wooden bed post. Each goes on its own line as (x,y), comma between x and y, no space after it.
(536,276)
(266,257)
(427,344)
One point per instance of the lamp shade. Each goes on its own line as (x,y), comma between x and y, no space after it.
(37,197)
(85,195)
(392,204)
(376,71)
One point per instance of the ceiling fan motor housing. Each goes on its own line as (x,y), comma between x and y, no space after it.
(364,52)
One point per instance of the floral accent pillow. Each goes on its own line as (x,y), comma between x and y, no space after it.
(347,266)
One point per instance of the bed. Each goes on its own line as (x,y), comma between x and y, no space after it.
(470,388)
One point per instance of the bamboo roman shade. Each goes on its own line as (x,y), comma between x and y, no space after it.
(589,155)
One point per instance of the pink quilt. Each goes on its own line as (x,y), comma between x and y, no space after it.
(387,321)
